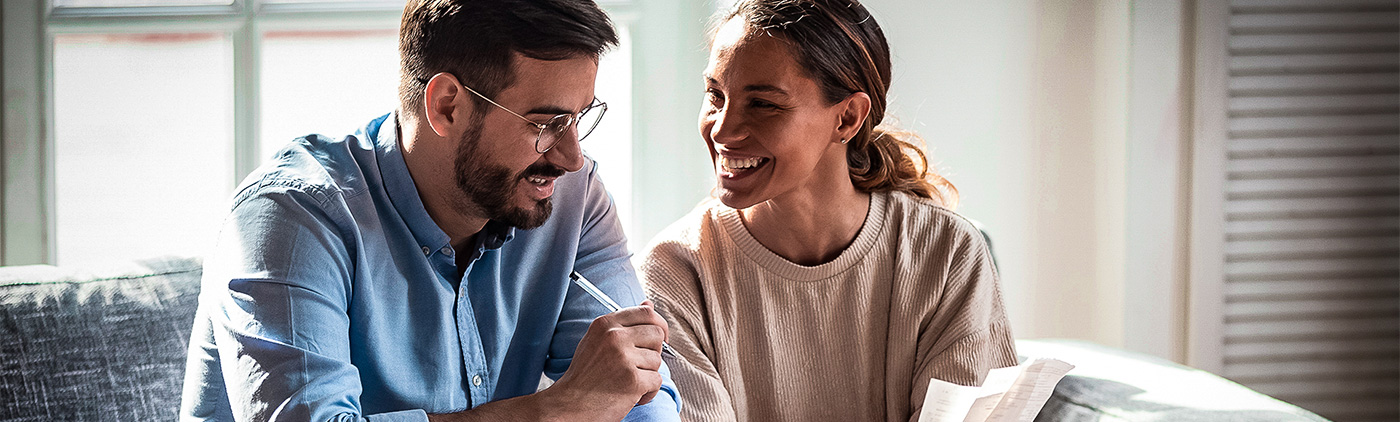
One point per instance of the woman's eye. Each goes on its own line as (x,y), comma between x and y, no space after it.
(763,105)
(714,96)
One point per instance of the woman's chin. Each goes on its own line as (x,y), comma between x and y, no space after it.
(735,199)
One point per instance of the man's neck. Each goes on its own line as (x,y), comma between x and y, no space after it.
(445,203)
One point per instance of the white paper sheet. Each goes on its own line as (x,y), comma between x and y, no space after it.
(1011,394)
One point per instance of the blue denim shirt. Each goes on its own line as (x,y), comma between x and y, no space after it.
(331,294)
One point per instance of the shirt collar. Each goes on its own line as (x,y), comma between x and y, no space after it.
(495,234)
(399,186)
(403,193)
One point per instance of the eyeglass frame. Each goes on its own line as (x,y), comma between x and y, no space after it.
(573,119)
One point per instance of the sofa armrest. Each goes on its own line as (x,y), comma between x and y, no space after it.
(1109,384)
(97,343)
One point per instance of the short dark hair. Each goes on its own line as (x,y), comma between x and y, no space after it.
(476,39)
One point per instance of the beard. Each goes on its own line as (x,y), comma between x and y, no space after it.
(490,187)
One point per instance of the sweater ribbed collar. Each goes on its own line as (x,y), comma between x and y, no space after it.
(870,230)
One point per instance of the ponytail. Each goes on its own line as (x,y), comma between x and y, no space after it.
(887,159)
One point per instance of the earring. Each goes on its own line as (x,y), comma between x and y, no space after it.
(845,140)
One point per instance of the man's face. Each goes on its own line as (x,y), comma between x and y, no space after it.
(497,169)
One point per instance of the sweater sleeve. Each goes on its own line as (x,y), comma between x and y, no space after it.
(673,284)
(968,334)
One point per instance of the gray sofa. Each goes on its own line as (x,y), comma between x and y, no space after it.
(108,344)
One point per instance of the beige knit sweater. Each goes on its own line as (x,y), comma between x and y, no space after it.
(914,297)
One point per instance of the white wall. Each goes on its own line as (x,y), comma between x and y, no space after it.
(1024,105)
(671,172)
(1158,176)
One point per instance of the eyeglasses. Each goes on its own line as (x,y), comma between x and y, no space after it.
(554,129)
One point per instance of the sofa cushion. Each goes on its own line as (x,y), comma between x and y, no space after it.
(95,344)
(1115,385)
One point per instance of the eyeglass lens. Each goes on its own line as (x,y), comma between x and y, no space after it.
(558,126)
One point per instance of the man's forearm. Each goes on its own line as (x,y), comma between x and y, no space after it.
(544,406)
(523,408)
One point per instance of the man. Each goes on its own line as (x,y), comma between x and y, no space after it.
(418,269)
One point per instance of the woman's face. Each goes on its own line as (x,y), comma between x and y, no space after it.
(769,129)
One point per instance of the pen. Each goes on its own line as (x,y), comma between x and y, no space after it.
(608,302)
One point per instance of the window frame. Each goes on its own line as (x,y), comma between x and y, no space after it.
(27,32)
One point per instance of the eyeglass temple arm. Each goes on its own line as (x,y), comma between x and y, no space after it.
(498,105)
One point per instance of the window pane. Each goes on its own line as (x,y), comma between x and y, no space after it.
(128,3)
(398,3)
(142,144)
(329,83)
(611,143)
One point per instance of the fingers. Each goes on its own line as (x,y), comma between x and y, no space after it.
(646,359)
(636,315)
(644,314)
(647,398)
(666,328)
(615,365)
(621,355)
(651,383)
(642,336)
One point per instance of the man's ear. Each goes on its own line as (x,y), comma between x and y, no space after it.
(853,112)
(441,99)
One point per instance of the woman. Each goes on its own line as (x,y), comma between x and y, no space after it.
(827,281)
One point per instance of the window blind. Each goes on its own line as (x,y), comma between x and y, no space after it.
(1312,248)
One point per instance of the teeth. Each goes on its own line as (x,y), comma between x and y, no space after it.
(536,180)
(740,163)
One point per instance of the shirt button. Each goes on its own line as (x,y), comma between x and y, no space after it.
(447,250)
(476,380)
(426,251)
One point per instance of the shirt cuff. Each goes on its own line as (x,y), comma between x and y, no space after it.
(664,407)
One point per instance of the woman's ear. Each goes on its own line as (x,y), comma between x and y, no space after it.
(441,99)
(851,116)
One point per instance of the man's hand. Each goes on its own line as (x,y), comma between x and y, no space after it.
(617,364)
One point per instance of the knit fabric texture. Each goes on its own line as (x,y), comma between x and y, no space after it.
(914,297)
(99,344)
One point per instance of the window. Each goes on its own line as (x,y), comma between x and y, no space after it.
(143,142)
(143,115)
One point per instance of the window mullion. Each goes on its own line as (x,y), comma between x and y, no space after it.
(26,212)
(246,99)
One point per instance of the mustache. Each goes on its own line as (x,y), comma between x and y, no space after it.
(543,170)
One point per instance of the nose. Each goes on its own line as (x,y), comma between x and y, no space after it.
(725,126)
(566,153)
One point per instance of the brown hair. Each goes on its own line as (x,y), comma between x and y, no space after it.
(841,47)
(474,40)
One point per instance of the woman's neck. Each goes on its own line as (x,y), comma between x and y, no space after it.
(808,228)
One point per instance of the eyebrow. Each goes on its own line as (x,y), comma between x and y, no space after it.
(765,88)
(549,110)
